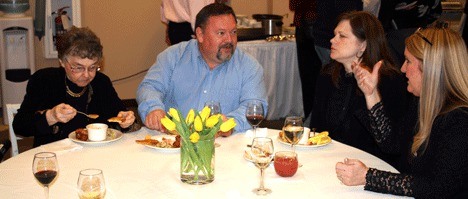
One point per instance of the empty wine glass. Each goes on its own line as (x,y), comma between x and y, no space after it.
(293,130)
(254,114)
(214,106)
(91,184)
(262,154)
(45,169)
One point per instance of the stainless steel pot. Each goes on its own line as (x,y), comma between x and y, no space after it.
(271,24)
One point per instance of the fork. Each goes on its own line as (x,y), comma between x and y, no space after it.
(91,116)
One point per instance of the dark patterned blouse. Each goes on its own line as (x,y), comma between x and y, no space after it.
(441,171)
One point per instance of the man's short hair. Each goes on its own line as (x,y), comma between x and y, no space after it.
(214,9)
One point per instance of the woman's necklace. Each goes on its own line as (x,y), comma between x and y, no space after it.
(71,93)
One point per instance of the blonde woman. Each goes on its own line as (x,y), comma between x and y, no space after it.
(436,69)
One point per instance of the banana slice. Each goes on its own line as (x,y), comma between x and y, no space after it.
(321,138)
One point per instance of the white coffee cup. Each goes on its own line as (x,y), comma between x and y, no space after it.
(97,131)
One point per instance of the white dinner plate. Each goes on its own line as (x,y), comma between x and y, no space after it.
(118,135)
(301,145)
(159,138)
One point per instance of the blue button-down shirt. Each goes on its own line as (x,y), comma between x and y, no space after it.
(181,79)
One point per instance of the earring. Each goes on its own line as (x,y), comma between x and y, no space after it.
(359,54)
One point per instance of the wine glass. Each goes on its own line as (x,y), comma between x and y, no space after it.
(214,106)
(293,130)
(262,154)
(45,169)
(254,114)
(91,184)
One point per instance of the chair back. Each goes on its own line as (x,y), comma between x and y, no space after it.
(4,147)
(12,109)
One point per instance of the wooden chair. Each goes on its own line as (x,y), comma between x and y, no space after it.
(12,109)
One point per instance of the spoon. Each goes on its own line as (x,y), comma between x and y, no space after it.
(91,116)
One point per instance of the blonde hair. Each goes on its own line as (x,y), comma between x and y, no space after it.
(444,83)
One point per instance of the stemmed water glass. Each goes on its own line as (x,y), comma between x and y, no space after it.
(214,107)
(45,168)
(254,114)
(91,184)
(293,129)
(262,154)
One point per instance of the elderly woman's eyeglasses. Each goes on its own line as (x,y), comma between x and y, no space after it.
(81,69)
(419,33)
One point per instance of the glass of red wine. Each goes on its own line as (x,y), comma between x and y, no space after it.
(45,169)
(254,114)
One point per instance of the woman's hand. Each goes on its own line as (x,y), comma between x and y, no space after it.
(61,113)
(368,82)
(351,172)
(128,118)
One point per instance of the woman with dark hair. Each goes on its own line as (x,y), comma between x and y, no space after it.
(436,69)
(54,96)
(340,107)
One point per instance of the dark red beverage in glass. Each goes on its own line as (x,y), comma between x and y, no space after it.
(254,120)
(286,163)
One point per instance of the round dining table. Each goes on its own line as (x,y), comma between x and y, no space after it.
(133,170)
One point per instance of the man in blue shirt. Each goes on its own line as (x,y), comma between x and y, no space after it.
(208,68)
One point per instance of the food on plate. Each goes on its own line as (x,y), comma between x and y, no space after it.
(81,134)
(111,134)
(321,138)
(163,143)
(116,119)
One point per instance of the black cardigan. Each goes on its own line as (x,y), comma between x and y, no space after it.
(343,111)
(46,89)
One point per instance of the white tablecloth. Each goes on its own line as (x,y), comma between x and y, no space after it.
(281,73)
(135,171)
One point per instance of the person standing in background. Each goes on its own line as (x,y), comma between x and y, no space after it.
(179,16)
(309,62)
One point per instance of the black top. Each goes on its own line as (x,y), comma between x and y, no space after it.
(440,172)
(46,89)
(343,111)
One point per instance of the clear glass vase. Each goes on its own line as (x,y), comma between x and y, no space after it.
(197,161)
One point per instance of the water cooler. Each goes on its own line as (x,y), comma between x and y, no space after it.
(16,58)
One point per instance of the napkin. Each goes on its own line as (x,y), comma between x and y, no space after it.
(261,132)
(62,146)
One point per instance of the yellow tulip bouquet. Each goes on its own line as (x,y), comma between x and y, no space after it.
(198,132)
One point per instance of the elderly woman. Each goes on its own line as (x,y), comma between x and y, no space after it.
(340,106)
(54,96)
(436,69)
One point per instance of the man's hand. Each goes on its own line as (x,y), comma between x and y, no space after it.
(153,120)
(224,134)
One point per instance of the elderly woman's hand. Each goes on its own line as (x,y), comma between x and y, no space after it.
(368,82)
(128,118)
(351,172)
(60,113)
